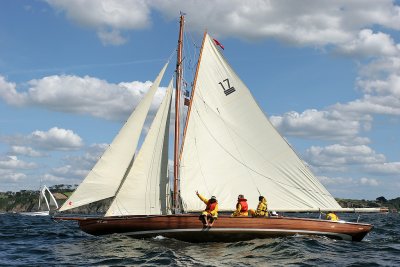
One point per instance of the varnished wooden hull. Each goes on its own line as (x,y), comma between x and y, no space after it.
(225,229)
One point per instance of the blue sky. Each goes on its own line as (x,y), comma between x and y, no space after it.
(327,74)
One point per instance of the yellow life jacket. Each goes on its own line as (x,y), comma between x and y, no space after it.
(262,208)
(332,216)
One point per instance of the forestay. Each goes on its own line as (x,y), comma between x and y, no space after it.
(143,192)
(231,148)
(104,179)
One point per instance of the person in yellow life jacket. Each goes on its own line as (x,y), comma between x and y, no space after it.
(261,208)
(210,214)
(332,216)
(241,207)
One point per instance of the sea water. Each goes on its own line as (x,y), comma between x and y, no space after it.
(39,241)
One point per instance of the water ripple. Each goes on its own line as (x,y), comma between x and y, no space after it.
(38,241)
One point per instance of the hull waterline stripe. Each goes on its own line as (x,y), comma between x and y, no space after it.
(246,230)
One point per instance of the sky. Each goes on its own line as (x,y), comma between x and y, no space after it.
(325,72)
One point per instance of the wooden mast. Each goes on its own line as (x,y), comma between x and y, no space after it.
(177,118)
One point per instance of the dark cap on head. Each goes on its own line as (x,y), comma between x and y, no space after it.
(260,198)
(241,196)
(214,198)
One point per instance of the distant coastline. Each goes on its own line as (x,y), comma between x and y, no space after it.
(392,204)
(27,200)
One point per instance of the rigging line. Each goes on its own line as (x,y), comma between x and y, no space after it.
(172,54)
(244,164)
(192,56)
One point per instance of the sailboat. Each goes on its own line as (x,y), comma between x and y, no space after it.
(47,202)
(228,147)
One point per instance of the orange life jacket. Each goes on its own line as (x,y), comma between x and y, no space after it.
(211,206)
(243,204)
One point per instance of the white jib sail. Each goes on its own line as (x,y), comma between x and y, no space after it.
(106,176)
(143,192)
(231,148)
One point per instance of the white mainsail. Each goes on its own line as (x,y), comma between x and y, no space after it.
(230,148)
(104,179)
(143,192)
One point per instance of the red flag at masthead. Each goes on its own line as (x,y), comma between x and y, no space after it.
(219,44)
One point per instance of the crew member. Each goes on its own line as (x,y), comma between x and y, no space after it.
(332,216)
(241,207)
(261,208)
(210,214)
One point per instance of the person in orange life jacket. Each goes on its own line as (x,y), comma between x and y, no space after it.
(241,207)
(261,208)
(210,214)
(332,216)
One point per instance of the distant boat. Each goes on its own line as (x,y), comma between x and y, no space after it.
(229,147)
(47,203)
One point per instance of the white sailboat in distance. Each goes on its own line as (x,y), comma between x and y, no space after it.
(47,203)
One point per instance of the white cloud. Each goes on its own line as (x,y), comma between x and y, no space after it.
(53,179)
(85,95)
(25,151)
(340,155)
(370,44)
(381,67)
(56,139)
(389,105)
(81,95)
(390,86)
(299,22)
(347,182)
(9,93)
(12,162)
(77,167)
(125,14)
(107,17)
(335,181)
(113,37)
(382,97)
(369,181)
(7,176)
(385,168)
(325,125)
(69,171)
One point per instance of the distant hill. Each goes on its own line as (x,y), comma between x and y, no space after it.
(28,200)
(392,204)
